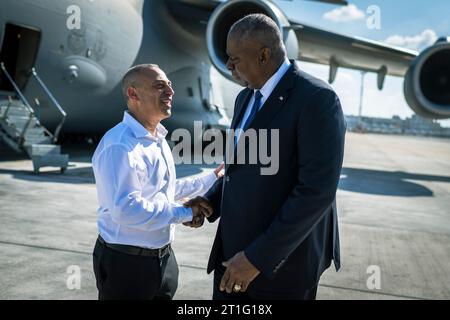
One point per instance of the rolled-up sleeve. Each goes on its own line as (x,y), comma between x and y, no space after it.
(192,187)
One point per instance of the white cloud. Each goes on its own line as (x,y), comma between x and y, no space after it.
(344,14)
(417,42)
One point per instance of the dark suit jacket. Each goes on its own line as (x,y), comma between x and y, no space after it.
(286,223)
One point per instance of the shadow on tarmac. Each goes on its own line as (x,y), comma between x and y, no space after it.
(375,182)
(387,183)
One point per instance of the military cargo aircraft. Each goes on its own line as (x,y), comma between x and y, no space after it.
(62,61)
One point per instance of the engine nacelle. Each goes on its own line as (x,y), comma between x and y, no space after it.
(427,82)
(228,13)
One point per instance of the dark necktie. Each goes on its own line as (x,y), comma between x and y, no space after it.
(255,109)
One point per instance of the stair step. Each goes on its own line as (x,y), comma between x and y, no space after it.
(50,160)
(37,140)
(36,143)
(43,149)
(10,142)
(20,121)
(15,103)
(10,130)
(14,111)
(35,137)
(13,131)
(36,131)
(30,140)
(30,133)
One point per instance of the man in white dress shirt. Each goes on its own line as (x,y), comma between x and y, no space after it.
(137,192)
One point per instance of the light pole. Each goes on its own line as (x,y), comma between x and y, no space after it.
(361,98)
(361,94)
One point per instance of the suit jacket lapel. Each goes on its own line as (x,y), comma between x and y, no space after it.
(276,100)
(238,114)
(241,107)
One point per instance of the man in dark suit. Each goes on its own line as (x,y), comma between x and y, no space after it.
(279,232)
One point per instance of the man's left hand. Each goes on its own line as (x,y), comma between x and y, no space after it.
(240,272)
(219,170)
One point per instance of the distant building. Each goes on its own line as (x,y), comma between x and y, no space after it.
(415,125)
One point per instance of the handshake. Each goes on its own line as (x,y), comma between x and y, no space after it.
(201,209)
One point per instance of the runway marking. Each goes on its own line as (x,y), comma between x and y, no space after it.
(373,292)
(191,267)
(204,269)
(44,248)
(76,251)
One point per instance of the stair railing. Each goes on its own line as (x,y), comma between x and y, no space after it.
(55,102)
(10,102)
(24,101)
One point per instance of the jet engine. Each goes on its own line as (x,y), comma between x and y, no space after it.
(427,82)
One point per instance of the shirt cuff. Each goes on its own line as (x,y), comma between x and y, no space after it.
(182,214)
(209,179)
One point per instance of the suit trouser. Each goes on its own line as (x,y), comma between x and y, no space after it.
(126,276)
(309,294)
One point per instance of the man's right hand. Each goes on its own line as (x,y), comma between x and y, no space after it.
(201,208)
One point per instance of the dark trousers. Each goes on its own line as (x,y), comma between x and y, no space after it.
(309,294)
(125,276)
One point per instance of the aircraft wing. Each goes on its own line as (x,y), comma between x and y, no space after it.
(425,75)
(212,4)
(337,50)
(327,47)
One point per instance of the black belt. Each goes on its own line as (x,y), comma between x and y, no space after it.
(137,251)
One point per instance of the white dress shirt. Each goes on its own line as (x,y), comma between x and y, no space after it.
(266,91)
(137,186)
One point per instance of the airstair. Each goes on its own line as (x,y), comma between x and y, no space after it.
(22,131)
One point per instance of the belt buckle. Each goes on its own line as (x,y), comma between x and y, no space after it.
(162,251)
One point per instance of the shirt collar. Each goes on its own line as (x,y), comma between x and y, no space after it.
(139,130)
(270,84)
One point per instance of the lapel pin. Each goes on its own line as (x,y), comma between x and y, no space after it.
(281,98)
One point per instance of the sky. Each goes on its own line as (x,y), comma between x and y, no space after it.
(412,24)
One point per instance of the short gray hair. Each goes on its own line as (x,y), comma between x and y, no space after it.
(261,28)
(133,76)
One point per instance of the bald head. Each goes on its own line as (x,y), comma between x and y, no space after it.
(148,93)
(261,29)
(136,75)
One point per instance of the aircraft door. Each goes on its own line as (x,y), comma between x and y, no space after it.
(18,52)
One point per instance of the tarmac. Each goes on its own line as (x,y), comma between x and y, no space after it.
(393,207)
